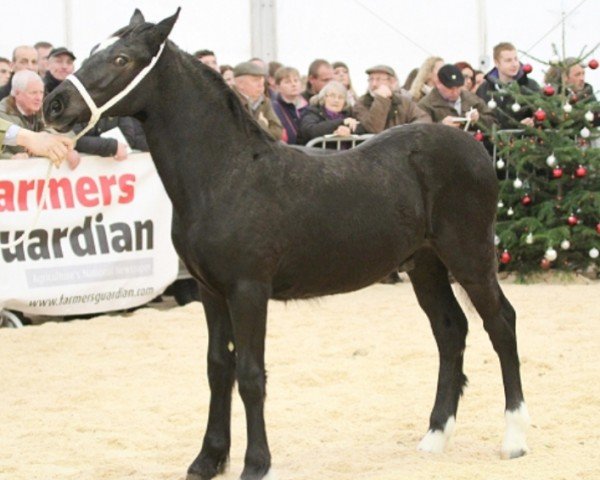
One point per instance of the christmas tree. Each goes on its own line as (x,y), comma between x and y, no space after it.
(549,205)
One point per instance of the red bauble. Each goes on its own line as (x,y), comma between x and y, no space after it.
(557,172)
(526,200)
(593,64)
(549,90)
(580,171)
(527,68)
(598,227)
(478,136)
(572,220)
(505,257)
(540,115)
(545,264)
(573,99)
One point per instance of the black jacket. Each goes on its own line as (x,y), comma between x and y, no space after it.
(492,87)
(314,123)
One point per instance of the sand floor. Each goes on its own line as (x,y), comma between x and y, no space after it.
(351,384)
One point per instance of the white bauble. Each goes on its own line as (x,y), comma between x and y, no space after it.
(565,244)
(517,183)
(554,60)
(496,240)
(500,164)
(589,116)
(510,212)
(500,204)
(529,238)
(515,107)
(568,108)
(594,253)
(551,160)
(550,254)
(492,104)
(585,132)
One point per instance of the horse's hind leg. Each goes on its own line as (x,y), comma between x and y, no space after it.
(474,267)
(449,324)
(212,459)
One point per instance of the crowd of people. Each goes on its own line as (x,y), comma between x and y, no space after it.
(297,109)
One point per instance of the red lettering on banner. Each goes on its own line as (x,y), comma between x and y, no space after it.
(126,184)
(7,196)
(105,184)
(87,192)
(23,195)
(23,189)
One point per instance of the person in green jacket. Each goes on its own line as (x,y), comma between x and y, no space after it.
(41,144)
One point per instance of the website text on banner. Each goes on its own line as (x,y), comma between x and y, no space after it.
(102,241)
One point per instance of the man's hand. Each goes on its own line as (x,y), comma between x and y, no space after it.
(73,159)
(472,115)
(121,152)
(528,121)
(450,122)
(383,91)
(44,144)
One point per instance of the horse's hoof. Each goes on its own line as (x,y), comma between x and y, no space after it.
(205,469)
(515,443)
(510,454)
(270,475)
(435,441)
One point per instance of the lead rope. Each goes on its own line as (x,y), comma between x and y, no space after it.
(96,113)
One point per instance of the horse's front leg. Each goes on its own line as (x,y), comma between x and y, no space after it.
(213,457)
(248,307)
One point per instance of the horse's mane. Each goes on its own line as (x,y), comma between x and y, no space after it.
(225,93)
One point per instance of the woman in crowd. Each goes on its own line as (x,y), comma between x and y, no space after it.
(227,74)
(423,83)
(341,73)
(328,114)
(468,73)
(478,79)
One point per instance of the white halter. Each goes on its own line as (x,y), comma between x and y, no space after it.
(96,112)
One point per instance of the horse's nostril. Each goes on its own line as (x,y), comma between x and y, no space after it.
(56,107)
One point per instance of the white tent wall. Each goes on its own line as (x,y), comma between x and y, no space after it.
(400,33)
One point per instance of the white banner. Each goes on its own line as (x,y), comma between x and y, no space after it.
(102,241)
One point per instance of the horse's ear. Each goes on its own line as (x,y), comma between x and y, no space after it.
(165,26)
(137,18)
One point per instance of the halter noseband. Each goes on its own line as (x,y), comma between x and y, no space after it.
(96,112)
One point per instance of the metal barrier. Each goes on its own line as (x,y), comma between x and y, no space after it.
(351,141)
(9,319)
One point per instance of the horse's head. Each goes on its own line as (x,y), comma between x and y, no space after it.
(113,68)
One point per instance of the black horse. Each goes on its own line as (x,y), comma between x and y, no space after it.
(256,220)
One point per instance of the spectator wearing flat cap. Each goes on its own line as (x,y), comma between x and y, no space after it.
(448,101)
(250,88)
(383,107)
(60,66)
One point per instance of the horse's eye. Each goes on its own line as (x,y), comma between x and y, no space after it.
(121,61)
